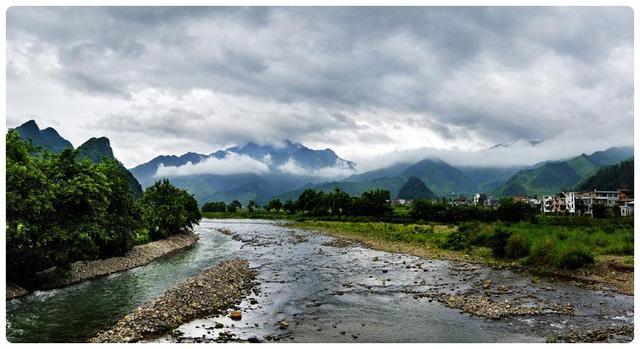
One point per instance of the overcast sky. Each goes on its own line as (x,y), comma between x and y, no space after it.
(374,84)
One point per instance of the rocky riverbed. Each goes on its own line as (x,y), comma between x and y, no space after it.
(138,256)
(210,293)
(315,288)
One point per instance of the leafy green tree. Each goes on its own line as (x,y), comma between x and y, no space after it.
(123,217)
(510,210)
(167,210)
(234,206)
(310,200)
(218,206)
(289,206)
(274,205)
(373,203)
(338,201)
(252,206)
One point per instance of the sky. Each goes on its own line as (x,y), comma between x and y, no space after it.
(376,85)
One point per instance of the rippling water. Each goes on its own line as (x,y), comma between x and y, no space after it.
(326,293)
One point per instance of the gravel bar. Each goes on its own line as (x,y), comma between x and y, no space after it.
(210,293)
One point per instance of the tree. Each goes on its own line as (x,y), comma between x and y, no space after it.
(218,206)
(252,206)
(274,205)
(338,202)
(289,206)
(234,206)
(510,210)
(373,203)
(167,210)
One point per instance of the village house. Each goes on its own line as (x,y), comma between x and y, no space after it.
(582,203)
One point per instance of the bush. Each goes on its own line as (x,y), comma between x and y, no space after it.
(498,242)
(456,241)
(573,258)
(517,247)
(540,253)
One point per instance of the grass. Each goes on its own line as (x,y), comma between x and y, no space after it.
(541,245)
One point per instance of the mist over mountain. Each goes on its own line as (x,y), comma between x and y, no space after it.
(248,172)
(447,180)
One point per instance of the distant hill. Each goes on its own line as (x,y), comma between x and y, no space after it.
(610,178)
(290,166)
(95,149)
(47,138)
(441,178)
(554,176)
(414,189)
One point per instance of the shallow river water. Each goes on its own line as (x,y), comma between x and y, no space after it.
(326,289)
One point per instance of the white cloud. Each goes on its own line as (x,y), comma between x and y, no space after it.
(232,163)
(341,169)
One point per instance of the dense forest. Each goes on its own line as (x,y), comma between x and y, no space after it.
(611,178)
(62,207)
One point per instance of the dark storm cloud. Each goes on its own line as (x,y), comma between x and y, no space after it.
(481,75)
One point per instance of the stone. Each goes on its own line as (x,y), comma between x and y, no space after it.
(235,315)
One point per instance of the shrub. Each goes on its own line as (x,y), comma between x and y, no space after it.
(456,241)
(498,242)
(573,258)
(540,253)
(517,247)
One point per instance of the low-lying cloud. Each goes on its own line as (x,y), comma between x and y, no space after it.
(231,164)
(341,169)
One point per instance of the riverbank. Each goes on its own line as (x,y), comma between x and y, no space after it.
(608,272)
(210,293)
(86,270)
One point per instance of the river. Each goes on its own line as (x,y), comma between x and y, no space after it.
(326,289)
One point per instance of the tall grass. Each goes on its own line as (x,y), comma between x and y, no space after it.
(542,244)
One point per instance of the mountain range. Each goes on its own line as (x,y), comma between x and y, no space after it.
(262,172)
(266,171)
(447,180)
(94,149)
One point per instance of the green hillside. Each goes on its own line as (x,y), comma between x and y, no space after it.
(414,189)
(610,178)
(554,176)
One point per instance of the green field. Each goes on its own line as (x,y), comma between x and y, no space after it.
(548,243)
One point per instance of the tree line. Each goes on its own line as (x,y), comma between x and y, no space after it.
(61,209)
(376,205)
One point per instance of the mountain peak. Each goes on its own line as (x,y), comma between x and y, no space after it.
(95,149)
(48,138)
(30,125)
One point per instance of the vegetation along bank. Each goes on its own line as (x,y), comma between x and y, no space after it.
(67,206)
